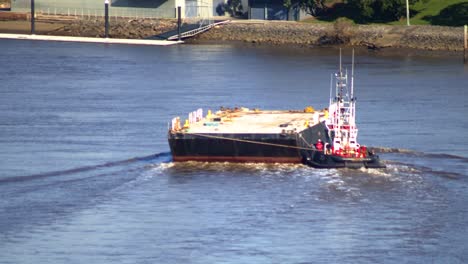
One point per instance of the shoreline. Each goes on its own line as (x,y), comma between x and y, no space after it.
(374,37)
(274,33)
(389,51)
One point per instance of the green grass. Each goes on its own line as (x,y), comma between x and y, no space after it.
(423,12)
(425,9)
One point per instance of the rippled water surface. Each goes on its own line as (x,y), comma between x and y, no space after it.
(86,174)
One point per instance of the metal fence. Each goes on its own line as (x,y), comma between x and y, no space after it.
(191,12)
(113,12)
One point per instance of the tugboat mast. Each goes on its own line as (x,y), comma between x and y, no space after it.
(342,109)
(343,150)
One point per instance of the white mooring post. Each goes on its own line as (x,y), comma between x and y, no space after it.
(465,47)
(407,13)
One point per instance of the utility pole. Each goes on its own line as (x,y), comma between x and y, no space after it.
(407,13)
(106,18)
(33,14)
(179,22)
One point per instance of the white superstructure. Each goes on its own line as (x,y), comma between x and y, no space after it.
(341,121)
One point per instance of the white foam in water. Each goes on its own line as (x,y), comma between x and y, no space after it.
(155,169)
(347,183)
(165,165)
(400,168)
(376,172)
(259,169)
(336,183)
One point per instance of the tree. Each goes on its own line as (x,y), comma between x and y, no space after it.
(312,7)
(232,7)
(362,9)
(378,10)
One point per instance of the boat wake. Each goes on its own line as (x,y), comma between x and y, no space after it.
(158,157)
(196,167)
(417,153)
(398,167)
(162,162)
(408,162)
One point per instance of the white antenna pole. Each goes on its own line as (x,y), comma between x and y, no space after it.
(331,89)
(352,76)
(353,102)
(340,63)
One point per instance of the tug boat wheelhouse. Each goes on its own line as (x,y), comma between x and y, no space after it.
(321,139)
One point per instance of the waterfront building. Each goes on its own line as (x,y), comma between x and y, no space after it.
(252,9)
(275,10)
(123,8)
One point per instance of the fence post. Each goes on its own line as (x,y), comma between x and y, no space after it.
(179,21)
(33,14)
(106,17)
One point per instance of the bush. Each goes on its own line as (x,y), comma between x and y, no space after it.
(366,11)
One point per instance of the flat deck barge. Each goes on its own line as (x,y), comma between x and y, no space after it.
(247,135)
(321,139)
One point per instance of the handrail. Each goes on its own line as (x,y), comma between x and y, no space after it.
(196,31)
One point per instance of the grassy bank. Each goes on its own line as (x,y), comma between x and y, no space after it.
(439,12)
(423,12)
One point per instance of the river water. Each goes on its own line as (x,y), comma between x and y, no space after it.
(86,174)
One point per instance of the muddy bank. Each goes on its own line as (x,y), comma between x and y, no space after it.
(371,36)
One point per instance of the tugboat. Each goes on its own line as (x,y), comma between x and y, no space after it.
(343,151)
(319,138)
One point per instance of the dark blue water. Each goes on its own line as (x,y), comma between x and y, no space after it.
(86,175)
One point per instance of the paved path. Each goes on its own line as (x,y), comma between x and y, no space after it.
(90,40)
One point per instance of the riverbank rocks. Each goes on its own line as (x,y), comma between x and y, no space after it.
(371,36)
(285,33)
(121,28)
